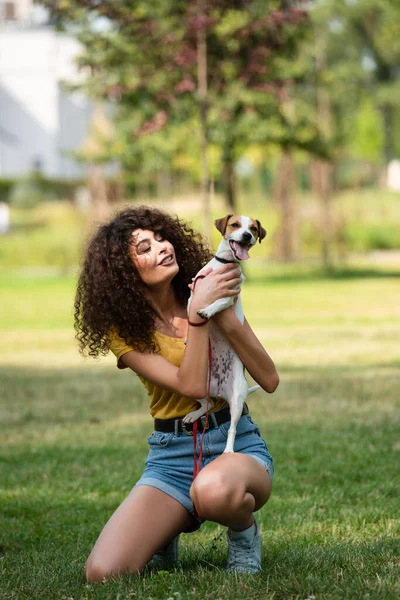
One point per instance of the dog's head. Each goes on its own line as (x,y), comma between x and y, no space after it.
(241,233)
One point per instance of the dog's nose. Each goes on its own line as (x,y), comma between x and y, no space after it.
(246,237)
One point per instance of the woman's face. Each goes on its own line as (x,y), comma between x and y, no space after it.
(153,256)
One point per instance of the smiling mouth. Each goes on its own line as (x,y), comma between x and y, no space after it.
(241,251)
(168,260)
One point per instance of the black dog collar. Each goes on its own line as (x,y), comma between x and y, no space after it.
(224,261)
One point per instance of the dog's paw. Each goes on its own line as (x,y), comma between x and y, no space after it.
(191,417)
(228,451)
(215,307)
(204,313)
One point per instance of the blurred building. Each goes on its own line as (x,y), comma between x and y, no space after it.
(40,122)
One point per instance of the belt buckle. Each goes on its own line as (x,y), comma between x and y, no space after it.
(185,431)
(204,422)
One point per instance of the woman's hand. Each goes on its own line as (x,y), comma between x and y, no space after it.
(221,283)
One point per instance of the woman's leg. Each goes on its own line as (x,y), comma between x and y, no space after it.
(146,521)
(230,489)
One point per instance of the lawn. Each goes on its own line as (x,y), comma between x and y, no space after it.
(74,442)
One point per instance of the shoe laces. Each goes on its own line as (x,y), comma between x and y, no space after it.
(240,554)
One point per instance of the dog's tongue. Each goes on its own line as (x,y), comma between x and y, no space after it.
(241,251)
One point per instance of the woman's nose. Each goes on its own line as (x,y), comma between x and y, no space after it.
(163,246)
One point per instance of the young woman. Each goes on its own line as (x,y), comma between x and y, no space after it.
(132,298)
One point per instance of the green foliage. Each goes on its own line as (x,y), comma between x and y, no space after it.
(146,61)
(268,72)
(373,236)
(6,186)
(35,188)
(26,194)
(368,141)
(52,234)
(358,58)
(47,236)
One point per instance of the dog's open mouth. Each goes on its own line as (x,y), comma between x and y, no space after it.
(241,251)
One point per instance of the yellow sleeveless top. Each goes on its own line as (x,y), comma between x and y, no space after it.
(163,403)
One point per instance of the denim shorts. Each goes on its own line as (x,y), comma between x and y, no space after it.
(169,464)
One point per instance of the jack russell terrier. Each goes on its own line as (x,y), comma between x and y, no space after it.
(227,372)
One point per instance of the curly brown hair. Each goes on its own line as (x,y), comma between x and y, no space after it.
(110,294)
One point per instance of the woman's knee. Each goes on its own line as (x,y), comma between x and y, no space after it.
(98,569)
(213,495)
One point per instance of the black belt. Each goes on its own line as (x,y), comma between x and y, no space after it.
(214,420)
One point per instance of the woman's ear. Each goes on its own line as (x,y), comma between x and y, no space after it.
(221,224)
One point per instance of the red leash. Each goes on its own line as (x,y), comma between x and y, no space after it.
(197,464)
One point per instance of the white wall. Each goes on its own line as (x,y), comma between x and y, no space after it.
(38,120)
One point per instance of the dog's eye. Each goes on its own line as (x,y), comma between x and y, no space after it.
(253,228)
(235,225)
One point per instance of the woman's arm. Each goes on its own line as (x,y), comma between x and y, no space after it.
(190,378)
(183,381)
(249,349)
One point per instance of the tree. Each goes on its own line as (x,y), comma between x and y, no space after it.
(147,56)
(362,53)
(352,77)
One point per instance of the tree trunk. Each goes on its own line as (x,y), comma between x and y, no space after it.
(164,184)
(230,185)
(387,112)
(322,176)
(287,236)
(327,224)
(324,169)
(98,192)
(202,91)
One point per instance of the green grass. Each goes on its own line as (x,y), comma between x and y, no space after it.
(73,442)
(48,236)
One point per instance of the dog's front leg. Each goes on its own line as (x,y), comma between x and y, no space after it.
(215,307)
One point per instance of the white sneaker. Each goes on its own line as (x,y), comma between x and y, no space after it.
(167,556)
(244,550)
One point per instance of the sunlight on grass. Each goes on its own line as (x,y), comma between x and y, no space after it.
(74,431)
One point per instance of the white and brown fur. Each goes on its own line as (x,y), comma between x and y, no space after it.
(227,373)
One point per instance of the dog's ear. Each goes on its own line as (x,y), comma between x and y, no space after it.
(221,224)
(261,231)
